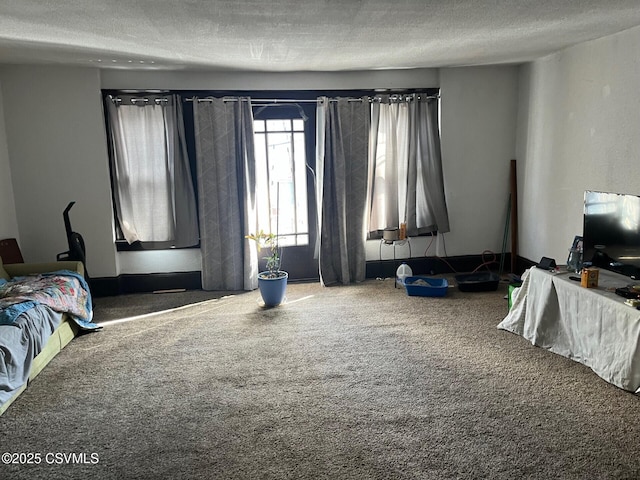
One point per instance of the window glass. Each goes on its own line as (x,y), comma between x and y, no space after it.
(280,153)
(258,125)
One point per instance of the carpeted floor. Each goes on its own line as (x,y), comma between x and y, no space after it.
(357,382)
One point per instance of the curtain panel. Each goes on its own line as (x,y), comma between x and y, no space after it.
(226,188)
(406,182)
(342,146)
(152,184)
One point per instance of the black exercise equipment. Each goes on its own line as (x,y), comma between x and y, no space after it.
(77,251)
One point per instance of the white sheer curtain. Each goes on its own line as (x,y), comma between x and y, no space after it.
(152,185)
(405,167)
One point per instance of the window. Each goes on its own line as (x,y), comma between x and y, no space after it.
(153,135)
(152,188)
(280,157)
(406,181)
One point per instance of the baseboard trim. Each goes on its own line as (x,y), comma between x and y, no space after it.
(434,265)
(151,282)
(144,283)
(524,263)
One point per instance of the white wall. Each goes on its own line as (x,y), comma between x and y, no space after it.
(186,260)
(8,219)
(414,78)
(478,125)
(57,151)
(479,113)
(578,129)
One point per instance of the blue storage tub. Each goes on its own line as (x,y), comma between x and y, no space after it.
(426,287)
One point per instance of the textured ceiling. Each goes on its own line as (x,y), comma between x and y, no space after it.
(300,35)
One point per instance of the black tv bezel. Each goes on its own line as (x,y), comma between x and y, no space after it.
(616,255)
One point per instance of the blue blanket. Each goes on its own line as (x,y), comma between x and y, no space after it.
(63,291)
(20,343)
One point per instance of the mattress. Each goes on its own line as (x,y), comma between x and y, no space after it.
(28,346)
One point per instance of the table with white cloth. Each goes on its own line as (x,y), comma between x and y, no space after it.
(592,326)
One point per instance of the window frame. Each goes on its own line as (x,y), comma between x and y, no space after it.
(289,113)
(288,96)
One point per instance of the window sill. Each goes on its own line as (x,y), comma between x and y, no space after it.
(124,246)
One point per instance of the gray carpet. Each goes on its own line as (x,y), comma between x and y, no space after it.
(358,382)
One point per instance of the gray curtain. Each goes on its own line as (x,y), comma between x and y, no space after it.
(184,205)
(342,162)
(152,184)
(432,213)
(406,182)
(226,183)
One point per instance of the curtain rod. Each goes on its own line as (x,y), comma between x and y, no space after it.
(135,100)
(274,101)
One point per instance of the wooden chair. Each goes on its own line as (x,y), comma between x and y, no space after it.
(10,251)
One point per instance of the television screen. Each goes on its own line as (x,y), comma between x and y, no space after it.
(611,232)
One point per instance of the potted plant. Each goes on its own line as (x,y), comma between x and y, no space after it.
(273,281)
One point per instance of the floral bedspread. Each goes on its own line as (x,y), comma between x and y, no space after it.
(63,291)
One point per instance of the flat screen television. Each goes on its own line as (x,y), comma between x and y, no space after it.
(611,232)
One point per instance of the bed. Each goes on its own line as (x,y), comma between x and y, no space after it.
(42,308)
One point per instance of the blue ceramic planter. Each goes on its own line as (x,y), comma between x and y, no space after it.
(272,289)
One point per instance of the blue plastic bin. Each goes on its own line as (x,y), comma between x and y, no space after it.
(426,287)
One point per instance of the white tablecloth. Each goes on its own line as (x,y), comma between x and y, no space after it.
(592,326)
